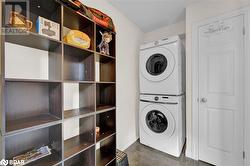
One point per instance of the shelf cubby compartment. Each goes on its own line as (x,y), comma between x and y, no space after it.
(29,104)
(23,142)
(79,99)
(105,69)
(106,152)
(75,21)
(78,64)
(33,58)
(105,96)
(85,158)
(99,39)
(40,8)
(106,122)
(83,140)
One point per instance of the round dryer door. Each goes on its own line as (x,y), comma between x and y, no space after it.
(157,64)
(157,121)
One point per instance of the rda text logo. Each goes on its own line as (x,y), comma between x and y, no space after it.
(4,162)
(16,15)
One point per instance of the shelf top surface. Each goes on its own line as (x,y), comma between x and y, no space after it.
(37,41)
(33,40)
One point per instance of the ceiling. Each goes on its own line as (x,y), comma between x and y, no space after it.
(149,15)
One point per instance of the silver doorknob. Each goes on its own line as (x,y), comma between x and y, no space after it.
(203,100)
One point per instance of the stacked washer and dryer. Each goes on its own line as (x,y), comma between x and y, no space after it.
(162,100)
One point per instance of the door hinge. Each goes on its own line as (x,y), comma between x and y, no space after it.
(244,154)
(244,31)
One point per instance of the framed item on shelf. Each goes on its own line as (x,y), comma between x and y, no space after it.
(48,28)
(33,155)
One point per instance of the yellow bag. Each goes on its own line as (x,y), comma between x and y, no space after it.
(77,38)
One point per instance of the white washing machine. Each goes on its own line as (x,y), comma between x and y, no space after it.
(162,123)
(161,67)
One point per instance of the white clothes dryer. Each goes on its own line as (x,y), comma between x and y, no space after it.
(161,65)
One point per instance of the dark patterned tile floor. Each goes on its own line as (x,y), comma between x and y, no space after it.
(140,155)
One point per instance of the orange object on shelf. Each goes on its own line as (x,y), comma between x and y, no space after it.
(102,19)
(96,15)
(97,130)
(77,38)
(19,21)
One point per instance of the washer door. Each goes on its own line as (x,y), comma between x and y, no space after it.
(157,64)
(157,121)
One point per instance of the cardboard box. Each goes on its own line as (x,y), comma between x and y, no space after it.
(48,28)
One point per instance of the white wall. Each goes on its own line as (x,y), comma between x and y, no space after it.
(24,61)
(129,37)
(196,13)
(161,33)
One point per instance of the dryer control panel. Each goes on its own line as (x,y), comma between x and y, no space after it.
(164,99)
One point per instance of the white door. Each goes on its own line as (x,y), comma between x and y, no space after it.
(221,56)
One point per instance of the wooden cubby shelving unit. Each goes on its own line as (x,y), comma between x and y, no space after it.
(33,111)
